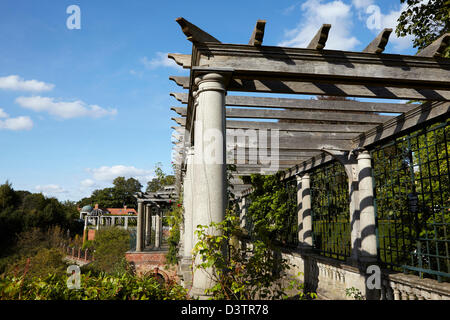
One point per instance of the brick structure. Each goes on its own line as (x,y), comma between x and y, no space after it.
(147,263)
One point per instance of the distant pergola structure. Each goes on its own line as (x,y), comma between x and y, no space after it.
(296,134)
(152,204)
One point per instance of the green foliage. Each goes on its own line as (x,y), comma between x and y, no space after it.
(121,194)
(160,180)
(354,293)
(175,219)
(270,207)
(110,245)
(44,262)
(240,271)
(93,287)
(426,21)
(21,211)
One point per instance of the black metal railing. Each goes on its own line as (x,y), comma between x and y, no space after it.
(412,201)
(330,211)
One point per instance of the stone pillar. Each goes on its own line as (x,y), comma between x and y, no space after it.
(243,213)
(113,221)
(97,220)
(148,224)
(139,227)
(188,194)
(366,209)
(209,176)
(299,211)
(306,212)
(157,229)
(85,222)
(125,223)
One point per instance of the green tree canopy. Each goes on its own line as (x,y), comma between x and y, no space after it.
(160,180)
(426,21)
(121,194)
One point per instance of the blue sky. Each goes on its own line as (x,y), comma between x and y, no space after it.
(80,107)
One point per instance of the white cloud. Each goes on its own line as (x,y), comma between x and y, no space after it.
(64,109)
(16,83)
(316,13)
(161,60)
(3,114)
(50,189)
(360,4)
(108,174)
(15,124)
(87,183)
(377,21)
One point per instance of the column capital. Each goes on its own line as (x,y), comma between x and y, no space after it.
(306,176)
(210,81)
(364,154)
(299,178)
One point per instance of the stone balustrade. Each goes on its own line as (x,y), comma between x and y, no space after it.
(330,278)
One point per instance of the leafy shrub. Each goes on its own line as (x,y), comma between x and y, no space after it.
(110,246)
(100,287)
(241,272)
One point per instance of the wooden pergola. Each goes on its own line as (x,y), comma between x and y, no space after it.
(152,204)
(299,133)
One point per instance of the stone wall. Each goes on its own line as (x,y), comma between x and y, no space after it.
(330,278)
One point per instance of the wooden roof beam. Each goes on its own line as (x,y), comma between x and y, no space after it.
(288,103)
(183,60)
(436,49)
(194,33)
(258,34)
(320,39)
(328,89)
(289,114)
(379,43)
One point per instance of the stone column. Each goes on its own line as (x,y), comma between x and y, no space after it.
(139,227)
(98,222)
(85,222)
(125,223)
(209,176)
(148,225)
(366,209)
(188,194)
(244,212)
(299,211)
(157,229)
(306,212)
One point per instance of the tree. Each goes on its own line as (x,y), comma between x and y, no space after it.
(121,194)
(426,21)
(161,179)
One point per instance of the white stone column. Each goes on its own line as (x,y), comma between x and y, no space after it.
(306,212)
(125,223)
(158,229)
(299,211)
(148,224)
(209,176)
(139,227)
(188,204)
(366,209)
(97,220)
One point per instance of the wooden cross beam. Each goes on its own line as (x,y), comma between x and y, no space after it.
(329,89)
(289,114)
(379,43)
(288,103)
(320,39)
(436,49)
(258,34)
(194,33)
